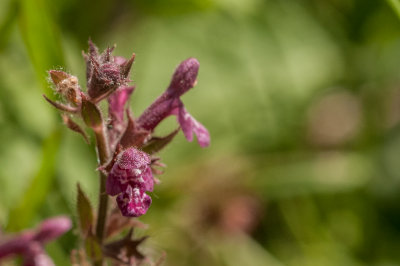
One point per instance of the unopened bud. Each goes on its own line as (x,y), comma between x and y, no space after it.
(67,86)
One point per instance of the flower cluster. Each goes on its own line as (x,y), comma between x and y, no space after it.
(127,144)
(30,244)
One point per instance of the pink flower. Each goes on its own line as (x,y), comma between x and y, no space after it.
(133,202)
(129,178)
(30,244)
(117,101)
(116,109)
(169,103)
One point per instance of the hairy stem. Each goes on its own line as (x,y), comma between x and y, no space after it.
(102,155)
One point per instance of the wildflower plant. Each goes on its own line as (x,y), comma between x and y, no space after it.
(126,149)
(30,243)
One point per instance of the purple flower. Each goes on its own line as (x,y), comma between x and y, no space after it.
(117,101)
(129,178)
(30,244)
(116,110)
(169,103)
(133,202)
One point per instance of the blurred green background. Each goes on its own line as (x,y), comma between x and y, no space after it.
(302,100)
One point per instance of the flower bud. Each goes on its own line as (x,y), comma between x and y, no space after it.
(105,73)
(67,86)
(184,77)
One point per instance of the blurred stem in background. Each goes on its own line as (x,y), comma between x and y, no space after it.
(42,42)
(7,23)
(395,4)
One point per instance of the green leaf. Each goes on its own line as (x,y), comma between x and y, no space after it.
(85,212)
(91,115)
(74,127)
(37,190)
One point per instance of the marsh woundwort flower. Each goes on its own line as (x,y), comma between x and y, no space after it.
(30,244)
(129,170)
(126,149)
(129,178)
(116,111)
(131,175)
(169,103)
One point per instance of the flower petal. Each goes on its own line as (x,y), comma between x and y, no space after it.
(117,101)
(148,180)
(116,181)
(133,158)
(132,168)
(53,228)
(36,256)
(184,77)
(133,202)
(16,245)
(190,125)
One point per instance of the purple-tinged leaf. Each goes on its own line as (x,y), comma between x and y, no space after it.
(105,168)
(133,136)
(155,144)
(117,223)
(74,127)
(91,115)
(85,212)
(93,248)
(126,249)
(126,66)
(61,107)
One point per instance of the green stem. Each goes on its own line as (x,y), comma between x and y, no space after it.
(103,155)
